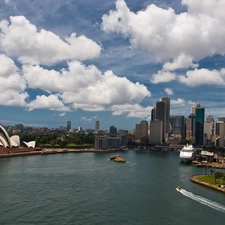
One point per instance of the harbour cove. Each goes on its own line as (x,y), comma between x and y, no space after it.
(88,188)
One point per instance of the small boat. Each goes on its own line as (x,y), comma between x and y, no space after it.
(119,159)
(178,188)
(112,157)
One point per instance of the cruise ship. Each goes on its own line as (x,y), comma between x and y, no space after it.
(187,153)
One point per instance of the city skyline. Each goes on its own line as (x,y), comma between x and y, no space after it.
(109,61)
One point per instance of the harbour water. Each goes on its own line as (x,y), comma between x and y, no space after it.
(88,188)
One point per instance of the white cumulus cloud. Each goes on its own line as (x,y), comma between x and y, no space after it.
(199,77)
(13,85)
(162,76)
(197,33)
(85,87)
(132,110)
(178,102)
(168,91)
(182,61)
(51,102)
(19,38)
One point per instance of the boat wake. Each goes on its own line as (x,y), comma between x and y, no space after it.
(203,201)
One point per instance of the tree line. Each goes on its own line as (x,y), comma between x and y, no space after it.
(59,140)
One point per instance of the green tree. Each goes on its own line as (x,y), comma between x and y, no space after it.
(211,171)
(219,175)
(44,140)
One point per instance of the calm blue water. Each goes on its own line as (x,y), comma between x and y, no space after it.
(88,188)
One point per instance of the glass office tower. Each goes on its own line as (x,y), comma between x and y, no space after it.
(200,117)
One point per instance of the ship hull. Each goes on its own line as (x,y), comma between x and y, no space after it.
(187,153)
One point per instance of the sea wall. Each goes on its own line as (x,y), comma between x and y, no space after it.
(13,152)
(215,187)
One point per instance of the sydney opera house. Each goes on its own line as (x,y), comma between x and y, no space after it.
(13,141)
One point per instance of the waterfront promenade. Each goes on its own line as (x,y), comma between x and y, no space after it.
(210,165)
(13,152)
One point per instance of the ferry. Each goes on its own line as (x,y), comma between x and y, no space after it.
(112,157)
(119,159)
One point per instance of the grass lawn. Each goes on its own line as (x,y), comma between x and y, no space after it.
(210,180)
(75,145)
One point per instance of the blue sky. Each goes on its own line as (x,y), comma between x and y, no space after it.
(109,60)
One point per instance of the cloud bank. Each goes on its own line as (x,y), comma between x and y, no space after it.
(76,86)
(166,34)
(180,40)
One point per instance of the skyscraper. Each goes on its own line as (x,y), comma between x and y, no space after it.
(177,123)
(220,133)
(152,114)
(68,127)
(166,99)
(191,128)
(200,117)
(97,125)
(144,131)
(138,133)
(193,108)
(160,114)
(209,130)
(156,127)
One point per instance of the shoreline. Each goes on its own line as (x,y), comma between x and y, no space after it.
(6,153)
(215,165)
(214,187)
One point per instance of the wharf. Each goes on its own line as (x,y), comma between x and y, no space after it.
(212,165)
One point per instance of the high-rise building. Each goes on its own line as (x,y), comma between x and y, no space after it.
(144,131)
(193,109)
(178,125)
(138,133)
(124,136)
(153,114)
(166,99)
(161,115)
(68,127)
(200,117)
(219,135)
(156,128)
(97,124)
(113,130)
(218,128)
(191,128)
(209,132)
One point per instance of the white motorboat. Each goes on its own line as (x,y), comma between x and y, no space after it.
(179,188)
(187,153)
